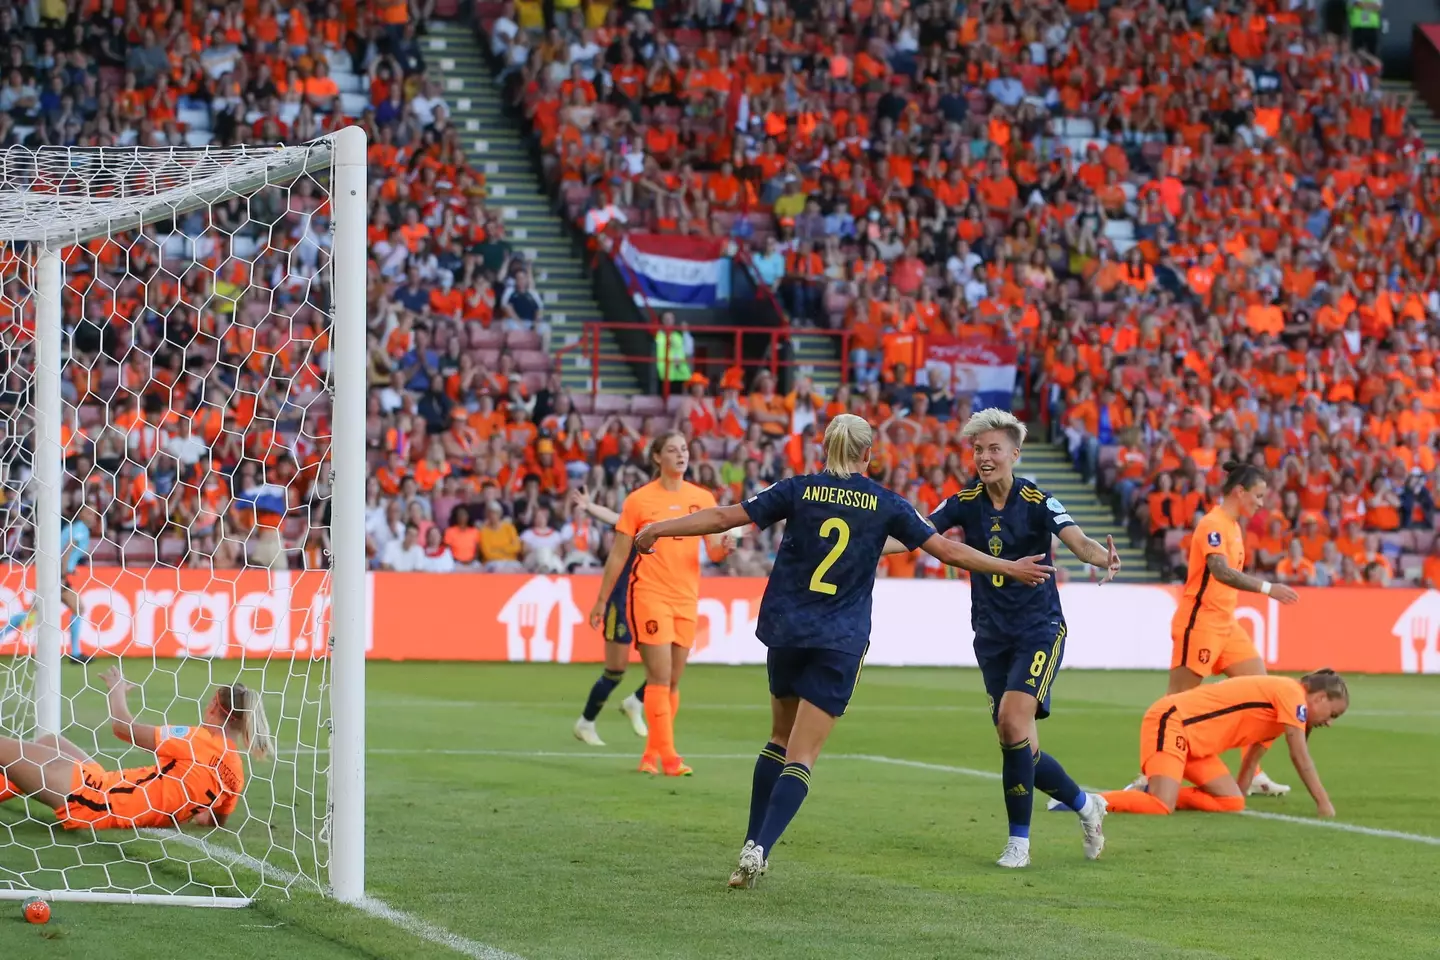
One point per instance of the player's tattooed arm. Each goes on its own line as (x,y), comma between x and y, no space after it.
(697,524)
(1221,570)
(893,546)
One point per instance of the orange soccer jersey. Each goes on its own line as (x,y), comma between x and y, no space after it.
(1183,735)
(668,580)
(1207,639)
(196,770)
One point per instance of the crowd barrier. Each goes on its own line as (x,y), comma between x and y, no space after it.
(493,617)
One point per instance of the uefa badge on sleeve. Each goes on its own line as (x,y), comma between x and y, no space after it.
(1302,713)
(1213,538)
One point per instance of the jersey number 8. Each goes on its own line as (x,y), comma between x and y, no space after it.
(842,529)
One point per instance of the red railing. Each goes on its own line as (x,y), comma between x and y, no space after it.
(772,361)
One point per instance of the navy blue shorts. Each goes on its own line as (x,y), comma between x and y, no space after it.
(616,627)
(1027,663)
(825,678)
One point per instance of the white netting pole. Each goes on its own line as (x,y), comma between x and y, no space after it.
(347,518)
(45,482)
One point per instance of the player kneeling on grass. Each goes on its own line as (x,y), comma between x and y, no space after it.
(1183,735)
(197,776)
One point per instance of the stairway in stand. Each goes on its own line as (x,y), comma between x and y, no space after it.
(1050,467)
(497,148)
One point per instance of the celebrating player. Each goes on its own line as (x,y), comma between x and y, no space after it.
(1183,735)
(616,628)
(1020,633)
(815,616)
(1207,638)
(74,547)
(664,594)
(197,776)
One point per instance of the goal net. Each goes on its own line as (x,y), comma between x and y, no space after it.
(181,332)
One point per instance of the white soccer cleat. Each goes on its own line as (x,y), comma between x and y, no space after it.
(1016,855)
(1263,786)
(1055,806)
(585,733)
(1092,816)
(635,711)
(1139,783)
(751,867)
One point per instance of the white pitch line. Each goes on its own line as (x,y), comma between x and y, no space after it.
(379,909)
(1259,815)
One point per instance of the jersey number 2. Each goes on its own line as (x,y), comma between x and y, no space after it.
(842,529)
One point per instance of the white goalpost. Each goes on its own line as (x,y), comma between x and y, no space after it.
(183,372)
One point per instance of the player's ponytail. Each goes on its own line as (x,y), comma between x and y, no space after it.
(1242,475)
(847,444)
(245,719)
(1326,681)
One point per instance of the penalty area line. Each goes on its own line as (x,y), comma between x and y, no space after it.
(379,909)
(1257,814)
(934,768)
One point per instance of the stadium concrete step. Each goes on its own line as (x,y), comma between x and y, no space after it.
(1050,467)
(816,356)
(497,148)
(1421,113)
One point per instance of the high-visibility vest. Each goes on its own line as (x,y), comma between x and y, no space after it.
(1364,17)
(670,355)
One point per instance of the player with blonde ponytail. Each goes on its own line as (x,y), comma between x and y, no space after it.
(197,776)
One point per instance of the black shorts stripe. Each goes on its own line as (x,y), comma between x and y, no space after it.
(1164,720)
(1233,708)
(1194,612)
(145,779)
(87,803)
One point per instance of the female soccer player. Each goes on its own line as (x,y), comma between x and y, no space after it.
(663,596)
(1206,636)
(815,616)
(616,629)
(1183,735)
(197,776)
(1020,634)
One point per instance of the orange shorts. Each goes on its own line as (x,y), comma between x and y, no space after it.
(657,623)
(1165,751)
(92,804)
(1210,646)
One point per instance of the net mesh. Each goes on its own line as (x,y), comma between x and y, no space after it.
(196,496)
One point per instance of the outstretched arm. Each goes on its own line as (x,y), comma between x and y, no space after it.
(1028,571)
(1221,570)
(1300,757)
(698,524)
(1093,552)
(122,721)
(582,501)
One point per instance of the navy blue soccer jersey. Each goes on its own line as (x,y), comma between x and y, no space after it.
(820,590)
(999,606)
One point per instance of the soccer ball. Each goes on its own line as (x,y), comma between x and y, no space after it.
(36,910)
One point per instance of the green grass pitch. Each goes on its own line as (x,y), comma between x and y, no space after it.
(488,819)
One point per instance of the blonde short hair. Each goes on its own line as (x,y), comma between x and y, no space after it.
(995,419)
(846,440)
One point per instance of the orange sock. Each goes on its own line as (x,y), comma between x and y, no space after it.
(1134,801)
(674,703)
(661,740)
(7,792)
(1191,798)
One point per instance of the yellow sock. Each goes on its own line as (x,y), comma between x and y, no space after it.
(661,740)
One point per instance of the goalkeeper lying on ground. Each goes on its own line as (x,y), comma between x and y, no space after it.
(197,775)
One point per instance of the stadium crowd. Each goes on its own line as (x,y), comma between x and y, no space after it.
(1209,228)
(1208,231)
